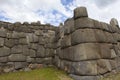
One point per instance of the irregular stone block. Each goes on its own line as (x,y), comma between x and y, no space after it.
(105,26)
(25,50)
(41,51)
(103,66)
(66,41)
(81,23)
(20,65)
(17,57)
(16,49)
(2,33)
(49,52)
(1,42)
(35,38)
(78,52)
(41,40)
(22,35)
(114,22)
(23,41)
(4,51)
(39,32)
(83,36)
(32,53)
(34,46)
(10,42)
(3,59)
(30,60)
(44,60)
(80,12)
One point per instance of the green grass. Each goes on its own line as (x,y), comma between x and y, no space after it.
(112,77)
(39,74)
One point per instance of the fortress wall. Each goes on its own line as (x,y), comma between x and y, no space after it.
(89,48)
(24,45)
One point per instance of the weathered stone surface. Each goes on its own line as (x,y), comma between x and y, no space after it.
(78,52)
(114,22)
(4,51)
(3,59)
(22,35)
(66,41)
(2,42)
(80,12)
(49,52)
(83,36)
(20,65)
(34,46)
(2,33)
(32,53)
(81,23)
(10,43)
(30,60)
(17,24)
(23,41)
(39,32)
(17,57)
(68,26)
(25,50)
(44,60)
(41,51)
(103,66)
(16,49)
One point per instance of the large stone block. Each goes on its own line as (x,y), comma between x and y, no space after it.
(3,59)
(109,37)
(44,60)
(114,22)
(49,52)
(30,60)
(20,65)
(33,46)
(25,50)
(41,40)
(3,33)
(41,51)
(103,66)
(66,41)
(80,12)
(83,36)
(16,49)
(79,53)
(23,41)
(4,51)
(17,58)
(10,42)
(85,68)
(84,23)
(32,53)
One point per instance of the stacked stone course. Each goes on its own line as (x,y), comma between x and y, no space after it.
(85,48)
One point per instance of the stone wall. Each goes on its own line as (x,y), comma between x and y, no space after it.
(89,49)
(83,47)
(25,44)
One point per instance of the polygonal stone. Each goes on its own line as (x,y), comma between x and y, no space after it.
(2,33)
(83,36)
(16,49)
(49,52)
(10,42)
(114,22)
(103,66)
(23,41)
(66,41)
(81,23)
(44,60)
(3,59)
(25,50)
(32,53)
(80,12)
(30,60)
(41,51)
(4,51)
(20,65)
(17,57)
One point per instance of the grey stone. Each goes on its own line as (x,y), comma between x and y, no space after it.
(4,51)
(44,60)
(114,22)
(17,24)
(66,41)
(10,42)
(83,36)
(23,41)
(17,57)
(16,49)
(32,53)
(22,35)
(41,51)
(30,60)
(103,66)
(80,12)
(39,32)
(49,52)
(2,33)
(3,59)
(34,46)
(25,50)
(81,23)
(1,42)
(20,65)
